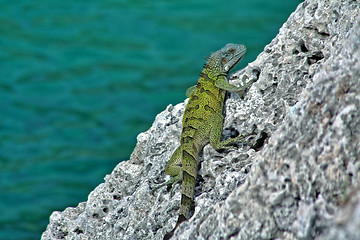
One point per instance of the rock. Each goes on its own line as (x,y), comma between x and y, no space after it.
(300,181)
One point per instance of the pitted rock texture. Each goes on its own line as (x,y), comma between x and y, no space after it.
(299,181)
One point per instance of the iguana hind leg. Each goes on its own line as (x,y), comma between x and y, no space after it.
(216,132)
(174,169)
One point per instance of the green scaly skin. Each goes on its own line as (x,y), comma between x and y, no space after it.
(203,123)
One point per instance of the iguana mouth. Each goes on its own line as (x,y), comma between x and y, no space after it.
(233,62)
(236,58)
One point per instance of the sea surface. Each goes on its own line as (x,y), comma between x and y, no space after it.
(80,79)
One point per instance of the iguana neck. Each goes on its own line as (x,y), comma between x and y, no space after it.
(210,74)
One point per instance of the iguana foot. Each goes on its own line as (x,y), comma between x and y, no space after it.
(229,143)
(171,183)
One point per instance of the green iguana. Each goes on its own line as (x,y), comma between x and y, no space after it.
(203,123)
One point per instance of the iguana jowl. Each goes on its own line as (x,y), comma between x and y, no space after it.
(203,123)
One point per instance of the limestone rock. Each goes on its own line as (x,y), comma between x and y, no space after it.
(300,180)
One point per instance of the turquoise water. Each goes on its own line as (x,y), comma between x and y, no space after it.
(81,79)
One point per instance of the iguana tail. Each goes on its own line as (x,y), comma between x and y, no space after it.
(170,234)
(185,204)
(189,166)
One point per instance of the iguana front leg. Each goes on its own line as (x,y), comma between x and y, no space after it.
(222,82)
(190,91)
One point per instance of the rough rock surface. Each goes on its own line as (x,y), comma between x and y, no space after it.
(300,181)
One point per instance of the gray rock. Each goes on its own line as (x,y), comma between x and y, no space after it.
(300,181)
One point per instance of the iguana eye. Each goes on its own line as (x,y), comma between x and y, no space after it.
(224,60)
(231,50)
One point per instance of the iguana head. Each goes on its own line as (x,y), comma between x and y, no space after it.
(225,59)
